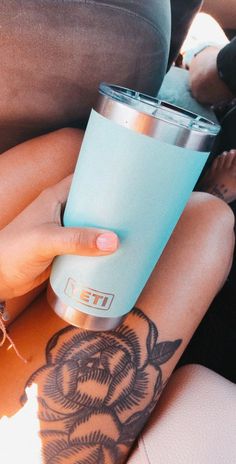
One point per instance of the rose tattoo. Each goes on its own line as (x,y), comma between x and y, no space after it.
(97,390)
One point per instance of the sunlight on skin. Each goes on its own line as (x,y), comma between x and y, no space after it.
(19,433)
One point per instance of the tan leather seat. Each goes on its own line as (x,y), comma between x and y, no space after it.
(194,422)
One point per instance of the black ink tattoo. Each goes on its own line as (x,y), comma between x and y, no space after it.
(219,191)
(97,390)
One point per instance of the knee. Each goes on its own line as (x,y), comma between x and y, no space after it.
(69,135)
(212,222)
(211,213)
(65,145)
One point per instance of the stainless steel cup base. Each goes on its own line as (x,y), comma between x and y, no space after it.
(78,318)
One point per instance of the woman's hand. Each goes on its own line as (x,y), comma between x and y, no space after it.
(205,83)
(30,242)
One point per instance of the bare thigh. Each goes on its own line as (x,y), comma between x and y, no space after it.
(32,166)
(192,269)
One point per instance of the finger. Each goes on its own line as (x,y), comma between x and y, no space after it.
(55,240)
(45,208)
(55,197)
(61,189)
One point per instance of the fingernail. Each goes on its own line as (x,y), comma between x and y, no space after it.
(107,241)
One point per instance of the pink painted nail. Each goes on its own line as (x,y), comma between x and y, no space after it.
(107,241)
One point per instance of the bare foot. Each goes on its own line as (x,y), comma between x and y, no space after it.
(220,179)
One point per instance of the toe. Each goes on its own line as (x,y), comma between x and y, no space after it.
(220,161)
(231,158)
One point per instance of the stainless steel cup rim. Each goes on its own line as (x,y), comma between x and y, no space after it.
(156,118)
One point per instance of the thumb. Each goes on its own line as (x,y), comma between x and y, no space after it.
(56,240)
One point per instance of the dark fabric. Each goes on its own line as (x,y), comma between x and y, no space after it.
(55,53)
(226,114)
(230,33)
(214,343)
(226,65)
(182,15)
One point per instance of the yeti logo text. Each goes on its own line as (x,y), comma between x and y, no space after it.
(88,296)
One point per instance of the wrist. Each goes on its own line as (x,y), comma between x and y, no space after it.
(205,82)
(189,55)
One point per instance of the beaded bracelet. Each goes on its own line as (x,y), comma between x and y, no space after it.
(3,311)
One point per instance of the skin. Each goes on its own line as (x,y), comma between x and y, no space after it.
(95,391)
(33,168)
(202,241)
(223,12)
(204,81)
(30,242)
(220,179)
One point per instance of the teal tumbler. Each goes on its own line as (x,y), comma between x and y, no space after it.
(139,162)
